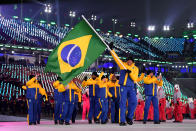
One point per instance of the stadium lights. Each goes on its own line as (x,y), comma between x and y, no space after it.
(133,24)
(52,23)
(120,36)
(48,8)
(15,17)
(93,17)
(67,25)
(190,25)
(72,13)
(136,35)
(114,21)
(98,30)
(185,36)
(151,28)
(166,28)
(42,21)
(27,19)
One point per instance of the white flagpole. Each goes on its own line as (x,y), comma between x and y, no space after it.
(106,44)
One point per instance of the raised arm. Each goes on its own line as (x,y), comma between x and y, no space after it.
(42,91)
(159,82)
(134,74)
(24,87)
(149,80)
(117,59)
(55,84)
(141,77)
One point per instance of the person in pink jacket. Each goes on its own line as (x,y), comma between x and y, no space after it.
(86,104)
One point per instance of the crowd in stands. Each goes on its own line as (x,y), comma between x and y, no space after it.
(36,34)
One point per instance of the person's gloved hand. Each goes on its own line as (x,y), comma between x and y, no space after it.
(46,98)
(85,78)
(178,102)
(160,104)
(128,71)
(111,45)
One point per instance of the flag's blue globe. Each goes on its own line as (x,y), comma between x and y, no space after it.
(71,54)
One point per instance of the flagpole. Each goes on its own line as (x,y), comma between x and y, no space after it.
(103,41)
(105,44)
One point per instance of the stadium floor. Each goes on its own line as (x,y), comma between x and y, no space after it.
(187,125)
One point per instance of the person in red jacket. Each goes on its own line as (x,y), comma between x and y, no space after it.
(162,104)
(169,110)
(139,112)
(191,108)
(184,109)
(178,104)
(86,104)
(194,106)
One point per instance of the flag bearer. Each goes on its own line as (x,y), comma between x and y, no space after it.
(128,77)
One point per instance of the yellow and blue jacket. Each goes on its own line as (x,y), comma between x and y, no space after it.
(150,85)
(43,92)
(33,89)
(103,88)
(58,96)
(68,92)
(77,95)
(93,87)
(114,88)
(140,78)
(125,78)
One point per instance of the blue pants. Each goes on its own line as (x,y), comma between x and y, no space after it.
(155,105)
(32,110)
(39,109)
(91,113)
(67,110)
(57,110)
(114,109)
(127,93)
(104,109)
(75,111)
(97,107)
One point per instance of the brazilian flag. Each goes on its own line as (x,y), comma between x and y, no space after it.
(76,52)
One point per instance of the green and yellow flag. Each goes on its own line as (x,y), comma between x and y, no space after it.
(76,52)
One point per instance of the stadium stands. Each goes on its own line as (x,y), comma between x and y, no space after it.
(167,44)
